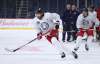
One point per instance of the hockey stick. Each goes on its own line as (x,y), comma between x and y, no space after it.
(14,50)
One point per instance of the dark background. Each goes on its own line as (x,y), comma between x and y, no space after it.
(26,8)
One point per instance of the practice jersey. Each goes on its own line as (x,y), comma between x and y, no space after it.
(94,16)
(47,23)
(85,22)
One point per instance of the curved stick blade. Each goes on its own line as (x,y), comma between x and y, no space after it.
(9,50)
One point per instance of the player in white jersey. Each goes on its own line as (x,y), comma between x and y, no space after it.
(48,24)
(93,13)
(85,24)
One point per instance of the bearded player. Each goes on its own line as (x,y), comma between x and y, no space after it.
(48,24)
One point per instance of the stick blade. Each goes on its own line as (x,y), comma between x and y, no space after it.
(9,50)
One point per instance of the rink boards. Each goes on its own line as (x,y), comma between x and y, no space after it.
(16,24)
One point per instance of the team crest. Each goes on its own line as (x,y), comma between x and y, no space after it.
(85,23)
(44,26)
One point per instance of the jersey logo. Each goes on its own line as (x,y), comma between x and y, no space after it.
(44,26)
(85,23)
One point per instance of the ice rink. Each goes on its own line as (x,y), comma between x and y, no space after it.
(41,52)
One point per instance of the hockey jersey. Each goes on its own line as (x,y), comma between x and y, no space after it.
(85,22)
(47,22)
(94,16)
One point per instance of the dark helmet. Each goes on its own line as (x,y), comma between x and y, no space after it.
(39,11)
(85,10)
(92,7)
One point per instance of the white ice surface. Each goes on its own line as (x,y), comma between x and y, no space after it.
(41,52)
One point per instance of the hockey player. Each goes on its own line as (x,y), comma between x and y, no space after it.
(48,23)
(93,13)
(85,24)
